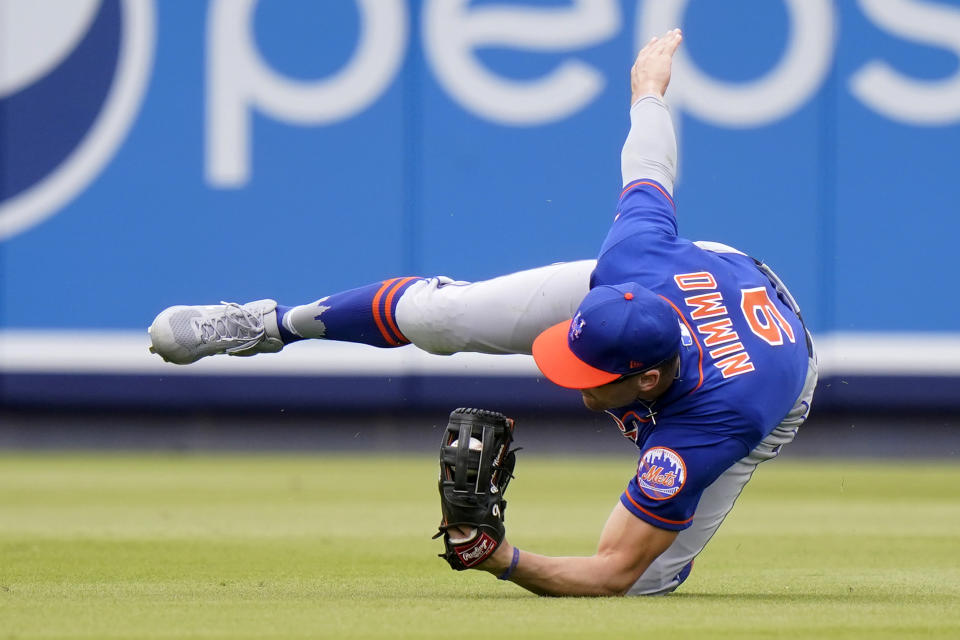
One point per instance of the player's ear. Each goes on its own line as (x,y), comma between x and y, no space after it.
(649,379)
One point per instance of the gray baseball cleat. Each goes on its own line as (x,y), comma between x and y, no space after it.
(183,334)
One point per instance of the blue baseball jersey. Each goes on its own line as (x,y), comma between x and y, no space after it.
(743,359)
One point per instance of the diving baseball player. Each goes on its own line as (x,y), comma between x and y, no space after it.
(697,351)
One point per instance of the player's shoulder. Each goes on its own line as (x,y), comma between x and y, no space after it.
(716,247)
(722,264)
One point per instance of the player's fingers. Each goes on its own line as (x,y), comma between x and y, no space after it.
(673,41)
(656,47)
(647,47)
(668,44)
(669,36)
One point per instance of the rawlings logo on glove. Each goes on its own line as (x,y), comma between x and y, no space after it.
(477,551)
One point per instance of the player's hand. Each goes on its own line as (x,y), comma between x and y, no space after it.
(651,70)
(496,563)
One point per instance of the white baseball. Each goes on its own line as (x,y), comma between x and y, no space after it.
(459,535)
(475,444)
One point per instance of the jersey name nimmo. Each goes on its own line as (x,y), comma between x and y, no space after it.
(712,321)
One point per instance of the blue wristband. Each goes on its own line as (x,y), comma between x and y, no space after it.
(513,565)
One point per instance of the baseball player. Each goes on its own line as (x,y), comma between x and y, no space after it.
(696,350)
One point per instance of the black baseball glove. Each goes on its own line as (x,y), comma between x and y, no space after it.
(476,465)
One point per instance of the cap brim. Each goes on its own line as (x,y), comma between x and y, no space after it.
(561,366)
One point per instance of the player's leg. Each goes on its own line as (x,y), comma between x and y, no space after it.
(439,315)
(500,315)
(668,571)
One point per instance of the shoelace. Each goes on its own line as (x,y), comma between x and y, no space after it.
(236,323)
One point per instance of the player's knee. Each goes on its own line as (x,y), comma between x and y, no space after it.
(429,315)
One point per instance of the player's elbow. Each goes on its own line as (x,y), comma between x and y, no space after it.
(617,577)
(619,585)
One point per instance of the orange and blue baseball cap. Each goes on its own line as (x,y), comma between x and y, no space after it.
(617,331)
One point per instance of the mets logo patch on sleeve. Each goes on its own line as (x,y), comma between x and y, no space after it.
(661,473)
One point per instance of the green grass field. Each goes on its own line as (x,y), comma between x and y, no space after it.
(226,546)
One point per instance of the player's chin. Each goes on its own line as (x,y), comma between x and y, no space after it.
(591,402)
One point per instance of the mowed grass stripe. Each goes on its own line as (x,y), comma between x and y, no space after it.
(230,546)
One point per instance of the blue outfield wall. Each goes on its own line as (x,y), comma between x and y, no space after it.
(158,153)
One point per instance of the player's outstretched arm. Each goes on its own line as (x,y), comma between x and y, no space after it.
(627,547)
(476,466)
(650,150)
